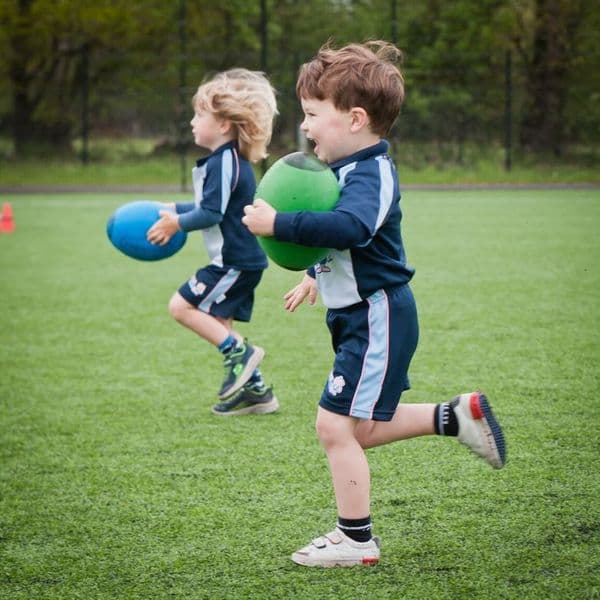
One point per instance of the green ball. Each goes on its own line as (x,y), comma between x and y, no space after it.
(297,182)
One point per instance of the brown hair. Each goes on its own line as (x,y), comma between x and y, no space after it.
(364,75)
(247,99)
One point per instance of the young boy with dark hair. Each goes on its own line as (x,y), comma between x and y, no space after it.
(351,98)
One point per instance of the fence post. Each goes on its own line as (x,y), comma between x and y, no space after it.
(85,102)
(264,44)
(182,92)
(508,111)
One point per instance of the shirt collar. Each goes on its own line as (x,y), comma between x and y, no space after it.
(380,147)
(232,144)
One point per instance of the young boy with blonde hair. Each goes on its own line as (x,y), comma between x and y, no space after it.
(351,98)
(233,118)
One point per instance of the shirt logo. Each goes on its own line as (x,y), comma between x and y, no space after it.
(322,267)
(335,384)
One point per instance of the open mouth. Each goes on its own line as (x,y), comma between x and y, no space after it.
(312,142)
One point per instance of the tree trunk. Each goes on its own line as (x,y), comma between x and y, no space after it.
(22,129)
(542,126)
(31,82)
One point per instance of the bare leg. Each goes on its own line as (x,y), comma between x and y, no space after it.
(409,420)
(213,329)
(347,462)
(344,440)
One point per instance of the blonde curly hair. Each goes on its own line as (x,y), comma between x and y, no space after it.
(247,99)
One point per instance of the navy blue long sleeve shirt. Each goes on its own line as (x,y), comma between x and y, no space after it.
(363,230)
(224,183)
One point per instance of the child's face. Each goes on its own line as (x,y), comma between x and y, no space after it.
(328,128)
(209,130)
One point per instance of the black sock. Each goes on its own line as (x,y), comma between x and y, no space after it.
(444,419)
(357,529)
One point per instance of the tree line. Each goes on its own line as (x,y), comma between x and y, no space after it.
(130,68)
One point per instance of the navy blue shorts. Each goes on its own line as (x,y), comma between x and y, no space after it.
(374,342)
(222,292)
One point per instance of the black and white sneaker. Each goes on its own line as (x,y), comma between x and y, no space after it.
(249,400)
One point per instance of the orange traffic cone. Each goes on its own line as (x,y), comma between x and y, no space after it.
(7,223)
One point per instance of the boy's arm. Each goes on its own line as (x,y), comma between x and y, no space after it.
(170,223)
(334,229)
(199,218)
(183,207)
(215,196)
(353,222)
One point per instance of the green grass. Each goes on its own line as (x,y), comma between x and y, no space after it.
(116,481)
(131,162)
(128,171)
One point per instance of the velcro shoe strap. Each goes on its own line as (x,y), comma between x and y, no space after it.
(319,543)
(335,537)
(330,538)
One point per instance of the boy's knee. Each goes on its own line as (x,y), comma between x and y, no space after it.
(177,306)
(322,429)
(331,428)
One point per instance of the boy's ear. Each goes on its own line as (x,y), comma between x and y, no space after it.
(358,119)
(225,126)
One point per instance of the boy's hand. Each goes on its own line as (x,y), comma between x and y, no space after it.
(295,297)
(259,218)
(164,229)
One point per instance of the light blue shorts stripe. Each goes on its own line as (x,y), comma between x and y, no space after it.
(375,360)
(219,291)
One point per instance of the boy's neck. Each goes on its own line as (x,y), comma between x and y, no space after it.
(361,141)
(221,141)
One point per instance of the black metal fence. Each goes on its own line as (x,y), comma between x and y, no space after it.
(455,109)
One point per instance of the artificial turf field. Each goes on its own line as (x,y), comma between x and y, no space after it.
(116,481)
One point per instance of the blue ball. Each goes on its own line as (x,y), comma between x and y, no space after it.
(128,226)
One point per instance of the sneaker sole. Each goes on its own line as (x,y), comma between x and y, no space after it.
(260,408)
(481,409)
(300,559)
(245,375)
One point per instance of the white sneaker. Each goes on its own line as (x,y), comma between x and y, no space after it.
(478,428)
(336,549)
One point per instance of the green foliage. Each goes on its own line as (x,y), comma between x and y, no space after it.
(453,81)
(117,481)
(134,162)
(582,110)
(134,54)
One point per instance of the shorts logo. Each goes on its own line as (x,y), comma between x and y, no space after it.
(196,286)
(335,384)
